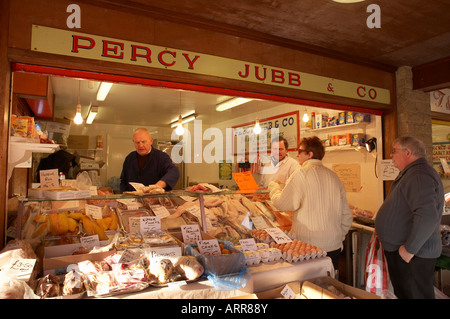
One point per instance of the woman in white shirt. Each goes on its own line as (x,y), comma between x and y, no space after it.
(317,198)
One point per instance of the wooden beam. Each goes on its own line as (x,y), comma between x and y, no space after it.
(5,81)
(432,76)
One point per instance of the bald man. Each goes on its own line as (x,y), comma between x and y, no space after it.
(147,165)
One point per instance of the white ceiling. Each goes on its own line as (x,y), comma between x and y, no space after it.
(143,105)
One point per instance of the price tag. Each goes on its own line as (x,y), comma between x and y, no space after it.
(49,178)
(157,253)
(159,210)
(130,255)
(191,233)
(90,241)
(130,203)
(150,224)
(209,247)
(259,222)
(248,244)
(278,235)
(188,198)
(21,268)
(288,293)
(94,211)
(134,224)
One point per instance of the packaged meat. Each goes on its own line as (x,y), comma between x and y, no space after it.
(189,267)
(162,269)
(73,283)
(48,286)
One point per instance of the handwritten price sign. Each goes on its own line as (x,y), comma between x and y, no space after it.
(209,247)
(278,235)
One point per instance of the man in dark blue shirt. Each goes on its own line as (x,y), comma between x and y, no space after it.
(147,165)
(408,221)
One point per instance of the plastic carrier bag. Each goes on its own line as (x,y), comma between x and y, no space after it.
(226,271)
(376,276)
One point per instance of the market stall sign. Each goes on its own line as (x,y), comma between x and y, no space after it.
(96,47)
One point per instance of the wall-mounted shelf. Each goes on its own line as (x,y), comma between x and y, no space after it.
(20,152)
(345,148)
(339,127)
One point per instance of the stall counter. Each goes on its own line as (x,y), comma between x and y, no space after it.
(263,277)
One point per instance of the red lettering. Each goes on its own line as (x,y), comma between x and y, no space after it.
(372,94)
(134,53)
(277,74)
(359,92)
(191,62)
(160,57)
(294,79)
(257,73)
(247,67)
(113,48)
(76,43)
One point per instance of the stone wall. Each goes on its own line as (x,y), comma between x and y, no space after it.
(413,107)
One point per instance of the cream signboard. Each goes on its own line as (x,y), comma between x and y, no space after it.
(88,46)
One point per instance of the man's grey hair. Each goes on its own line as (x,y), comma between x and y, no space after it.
(416,146)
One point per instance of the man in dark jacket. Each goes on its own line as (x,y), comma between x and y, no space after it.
(407,223)
(147,165)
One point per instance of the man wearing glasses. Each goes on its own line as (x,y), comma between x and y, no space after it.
(408,221)
(317,198)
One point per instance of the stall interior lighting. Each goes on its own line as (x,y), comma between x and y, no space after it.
(103,90)
(184,119)
(232,103)
(91,114)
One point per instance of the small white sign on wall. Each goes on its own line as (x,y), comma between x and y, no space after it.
(440,101)
(388,172)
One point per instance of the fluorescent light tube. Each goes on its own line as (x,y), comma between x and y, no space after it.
(91,115)
(103,90)
(232,103)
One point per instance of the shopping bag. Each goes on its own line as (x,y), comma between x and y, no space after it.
(376,278)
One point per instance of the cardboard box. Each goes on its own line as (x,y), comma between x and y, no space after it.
(358,139)
(274,293)
(350,117)
(39,193)
(361,117)
(321,120)
(58,194)
(317,289)
(78,142)
(342,118)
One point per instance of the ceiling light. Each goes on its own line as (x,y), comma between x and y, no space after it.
(305,117)
(91,114)
(78,119)
(184,120)
(232,103)
(179,130)
(257,128)
(103,90)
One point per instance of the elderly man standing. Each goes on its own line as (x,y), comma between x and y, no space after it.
(147,165)
(407,223)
